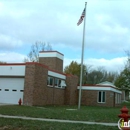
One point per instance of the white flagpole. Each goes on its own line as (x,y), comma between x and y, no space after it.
(82,57)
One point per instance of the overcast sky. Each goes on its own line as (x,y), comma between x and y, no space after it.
(23,22)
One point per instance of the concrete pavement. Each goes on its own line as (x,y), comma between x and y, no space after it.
(4,104)
(59,120)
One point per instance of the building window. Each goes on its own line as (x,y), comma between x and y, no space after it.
(50,81)
(117,98)
(57,82)
(101,97)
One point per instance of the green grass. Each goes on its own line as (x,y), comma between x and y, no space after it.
(19,124)
(86,113)
(98,114)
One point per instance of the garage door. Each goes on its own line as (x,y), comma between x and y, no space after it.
(11,90)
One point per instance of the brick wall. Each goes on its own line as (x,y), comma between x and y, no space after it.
(90,98)
(29,84)
(40,85)
(50,96)
(55,96)
(52,62)
(59,96)
(35,84)
(71,97)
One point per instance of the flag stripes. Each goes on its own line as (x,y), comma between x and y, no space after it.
(81,18)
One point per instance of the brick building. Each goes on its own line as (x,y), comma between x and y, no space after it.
(103,94)
(44,83)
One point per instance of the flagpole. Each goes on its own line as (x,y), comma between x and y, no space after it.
(82,57)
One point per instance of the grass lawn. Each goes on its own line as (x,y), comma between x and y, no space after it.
(87,113)
(98,114)
(18,124)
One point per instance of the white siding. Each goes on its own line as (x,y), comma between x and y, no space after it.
(54,74)
(12,70)
(101,89)
(51,54)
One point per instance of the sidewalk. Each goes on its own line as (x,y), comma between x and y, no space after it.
(59,120)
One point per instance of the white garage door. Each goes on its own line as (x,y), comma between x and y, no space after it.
(11,90)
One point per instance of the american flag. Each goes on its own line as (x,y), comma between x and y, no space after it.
(81,18)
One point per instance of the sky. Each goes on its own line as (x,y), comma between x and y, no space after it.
(107,30)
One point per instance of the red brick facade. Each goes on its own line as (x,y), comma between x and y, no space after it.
(71,97)
(90,98)
(36,91)
(53,63)
(35,84)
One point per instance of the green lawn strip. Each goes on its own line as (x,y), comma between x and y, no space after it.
(19,124)
(98,114)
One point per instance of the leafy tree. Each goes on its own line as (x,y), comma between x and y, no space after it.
(33,55)
(90,76)
(123,80)
(74,68)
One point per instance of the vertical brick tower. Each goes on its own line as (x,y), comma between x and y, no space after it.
(53,59)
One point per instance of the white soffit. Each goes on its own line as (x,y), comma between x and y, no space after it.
(51,54)
(100,89)
(54,74)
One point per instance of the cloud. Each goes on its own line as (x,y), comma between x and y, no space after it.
(8,42)
(12,57)
(112,65)
(24,22)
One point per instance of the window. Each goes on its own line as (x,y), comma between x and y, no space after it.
(50,81)
(117,98)
(57,82)
(101,97)
(14,90)
(6,89)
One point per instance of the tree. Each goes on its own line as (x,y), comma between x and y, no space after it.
(33,55)
(74,69)
(90,76)
(97,75)
(2,62)
(112,76)
(123,80)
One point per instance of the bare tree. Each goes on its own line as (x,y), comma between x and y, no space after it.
(33,55)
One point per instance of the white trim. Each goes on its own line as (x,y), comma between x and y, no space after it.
(101,97)
(59,87)
(51,54)
(101,89)
(54,74)
(50,86)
